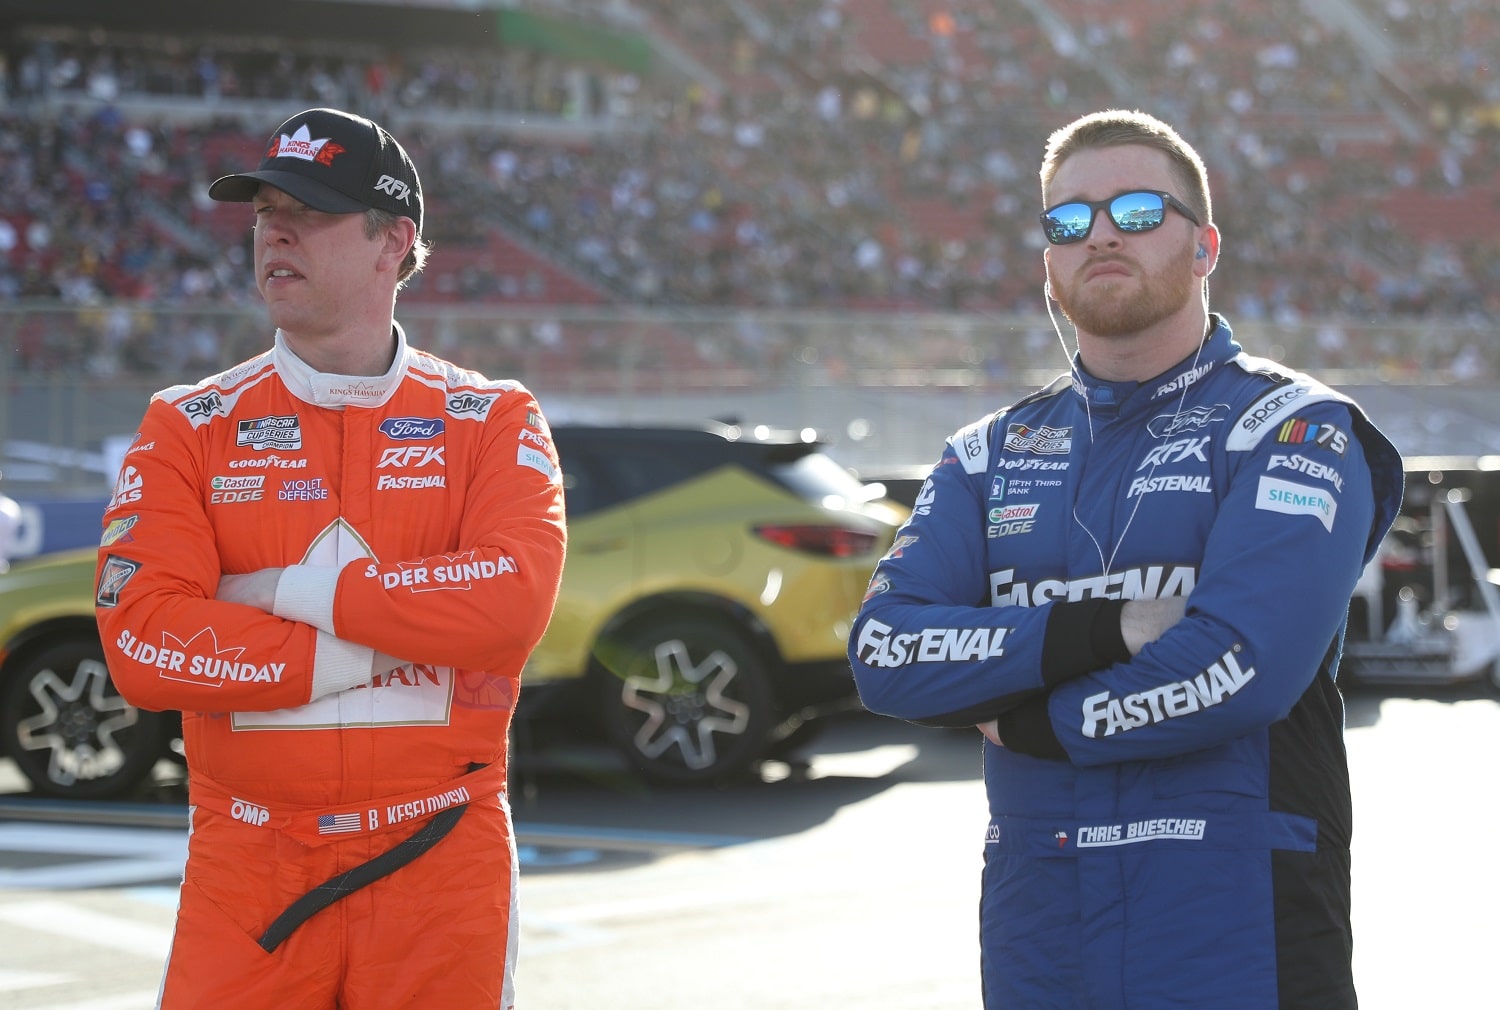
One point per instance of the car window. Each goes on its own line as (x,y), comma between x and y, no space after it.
(817,476)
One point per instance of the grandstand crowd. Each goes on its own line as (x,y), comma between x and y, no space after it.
(798,154)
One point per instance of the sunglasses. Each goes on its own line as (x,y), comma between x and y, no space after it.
(1133,212)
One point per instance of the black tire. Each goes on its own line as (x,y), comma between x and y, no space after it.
(687,700)
(68,729)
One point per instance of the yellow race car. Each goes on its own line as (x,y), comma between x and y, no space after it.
(711,579)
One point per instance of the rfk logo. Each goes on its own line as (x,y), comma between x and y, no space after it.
(395,187)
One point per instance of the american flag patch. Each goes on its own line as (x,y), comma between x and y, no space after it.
(337,824)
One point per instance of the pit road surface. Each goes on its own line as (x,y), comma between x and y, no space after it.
(850,882)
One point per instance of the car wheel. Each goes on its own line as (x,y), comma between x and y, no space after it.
(69,730)
(687,700)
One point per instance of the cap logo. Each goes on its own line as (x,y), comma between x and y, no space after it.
(395,187)
(301,145)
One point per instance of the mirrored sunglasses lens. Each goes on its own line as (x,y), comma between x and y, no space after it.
(1068,223)
(1137,211)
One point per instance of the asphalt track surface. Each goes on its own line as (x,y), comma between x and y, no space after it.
(847,880)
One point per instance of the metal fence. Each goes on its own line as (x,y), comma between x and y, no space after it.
(884,388)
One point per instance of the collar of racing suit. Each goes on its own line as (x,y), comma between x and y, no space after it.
(323,389)
(1123,398)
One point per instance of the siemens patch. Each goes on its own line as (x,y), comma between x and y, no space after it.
(1294,499)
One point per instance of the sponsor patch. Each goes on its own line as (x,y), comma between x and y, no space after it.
(458,571)
(118,531)
(1150,582)
(1312,468)
(1183,380)
(270,432)
(1289,498)
(205,406)
(411,457)
(1192,419)
(305,489)
(1199,483)
(1104,715)
(878,647)
(1299,431)
(900,544)
(1177,452)
(1044,441)
(405,429)
(269,463)
(198,660)
(301,145)
(112,578)
(389,483)
(538,461)
(468,404)
(128,488)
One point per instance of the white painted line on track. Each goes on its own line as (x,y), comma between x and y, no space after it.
(125,856)
(84,926)
(121,1001)
(14,981)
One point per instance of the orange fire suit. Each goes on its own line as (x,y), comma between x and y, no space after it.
(418,515)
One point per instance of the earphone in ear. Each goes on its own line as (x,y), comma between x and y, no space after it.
(1202,253)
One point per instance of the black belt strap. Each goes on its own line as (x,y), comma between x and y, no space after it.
(346,883)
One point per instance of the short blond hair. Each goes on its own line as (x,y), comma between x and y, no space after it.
(1117,127)
(378,221)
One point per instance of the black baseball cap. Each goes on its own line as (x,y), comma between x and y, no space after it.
(332,161)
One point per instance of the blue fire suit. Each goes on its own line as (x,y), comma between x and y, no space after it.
(1168,829)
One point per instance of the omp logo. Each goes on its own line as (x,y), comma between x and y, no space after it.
(1146,583)
(470,403)
(250,813)
(878,647)
(395,187)
(203,406)
(1106,716)
(411,457)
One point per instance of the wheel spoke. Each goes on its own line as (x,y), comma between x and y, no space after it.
(685,704)
(85,698)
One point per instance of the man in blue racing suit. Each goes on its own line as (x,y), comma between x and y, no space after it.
(1135,581)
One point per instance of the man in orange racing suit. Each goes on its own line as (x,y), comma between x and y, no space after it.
(335,558)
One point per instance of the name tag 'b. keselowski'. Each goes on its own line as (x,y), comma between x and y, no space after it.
(883,650)
(1106,716)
